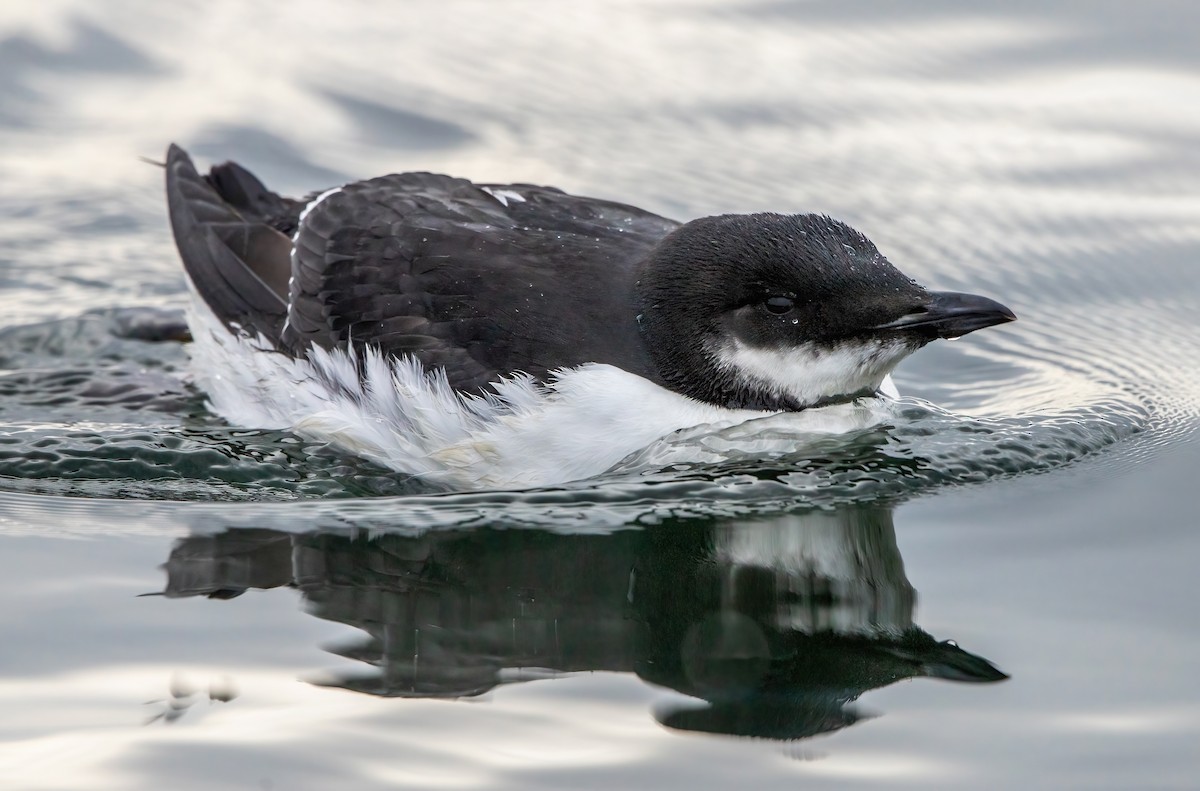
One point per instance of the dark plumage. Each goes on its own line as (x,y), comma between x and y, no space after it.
(487,280)
(716,277)
(420,264)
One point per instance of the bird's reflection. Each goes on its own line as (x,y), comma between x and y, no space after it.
(771,626)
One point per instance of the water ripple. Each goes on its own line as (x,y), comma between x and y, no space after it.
(1062,186)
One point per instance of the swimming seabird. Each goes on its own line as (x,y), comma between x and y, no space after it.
(503,336)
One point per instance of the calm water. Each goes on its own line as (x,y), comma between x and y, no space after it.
(720,611)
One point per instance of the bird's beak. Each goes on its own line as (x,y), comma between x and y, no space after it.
(949,314)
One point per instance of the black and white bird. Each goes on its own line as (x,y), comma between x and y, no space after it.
(504,336)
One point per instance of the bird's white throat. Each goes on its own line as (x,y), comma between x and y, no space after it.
(810,373)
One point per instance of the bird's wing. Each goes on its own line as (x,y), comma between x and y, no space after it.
(478,281)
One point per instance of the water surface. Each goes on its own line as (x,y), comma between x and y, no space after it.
(994,588)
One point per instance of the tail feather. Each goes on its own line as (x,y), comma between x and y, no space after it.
(237,261)
(242,190)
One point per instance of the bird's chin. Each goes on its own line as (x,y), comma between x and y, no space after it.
(814,375)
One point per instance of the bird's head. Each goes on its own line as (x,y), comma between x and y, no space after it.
(784,312)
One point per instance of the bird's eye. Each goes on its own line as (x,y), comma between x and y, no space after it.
(780,305)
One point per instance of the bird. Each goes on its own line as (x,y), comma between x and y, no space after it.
(510,336)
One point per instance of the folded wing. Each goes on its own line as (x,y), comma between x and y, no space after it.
(480,281)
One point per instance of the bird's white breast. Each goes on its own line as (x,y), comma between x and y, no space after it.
(583,422)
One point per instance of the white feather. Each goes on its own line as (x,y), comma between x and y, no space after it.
(810,373)
(504,196)
(582,423)
(312,204)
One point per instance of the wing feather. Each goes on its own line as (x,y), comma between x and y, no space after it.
(421,264)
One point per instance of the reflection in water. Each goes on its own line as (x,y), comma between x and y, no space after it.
(182,694)
(774,626)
